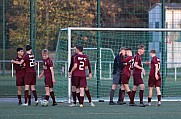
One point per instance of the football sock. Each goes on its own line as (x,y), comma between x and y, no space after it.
(47,97)
(159,97)
(29,99)
(112,95)
(141,96)
(19,98)
(88,95)
(26,96)
(52,96)
(78,96)
(81,100)
(35,95)
(130,97)
(74,97)
(122,95)
(149,99)
(133,95)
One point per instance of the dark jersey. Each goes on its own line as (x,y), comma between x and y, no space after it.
(138,58)
(127,68)
(154,60)
(47,63)
(118,64)
(82,61)
(29,61)
(72,62)
(20,69)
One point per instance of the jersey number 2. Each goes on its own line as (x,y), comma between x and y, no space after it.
(81,66)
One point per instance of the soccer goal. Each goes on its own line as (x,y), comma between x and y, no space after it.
(102,44)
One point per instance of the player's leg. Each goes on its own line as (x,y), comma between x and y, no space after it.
(81,96)
(29,97)
(158,95)
(150,96)
(19,94)
(74,94)
(87,92)
(133,92)
(34,94)
(47,93)
(121,95)
(111,102)
(142,87)
(128,92)
(52,94)
(26,95)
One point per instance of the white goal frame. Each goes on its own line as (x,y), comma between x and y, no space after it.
(70,29)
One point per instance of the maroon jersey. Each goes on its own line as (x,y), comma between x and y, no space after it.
(29,61)
(47,63)
(20,69)
(137,58)
(154,60)
(72,62)
(82,61)
(127,68)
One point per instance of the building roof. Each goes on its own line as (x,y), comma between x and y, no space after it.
(167,6)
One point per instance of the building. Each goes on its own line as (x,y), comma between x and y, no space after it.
(172,39)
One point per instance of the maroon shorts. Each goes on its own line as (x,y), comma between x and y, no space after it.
(125,79)
(48,82)
(153,82)
(30,78)
(20,81)
(137,79)
(80,81)
(73,81)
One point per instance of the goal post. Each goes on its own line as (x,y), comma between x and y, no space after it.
(111,40)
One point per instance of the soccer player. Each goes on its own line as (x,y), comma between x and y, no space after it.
(154,78)
(81,61)
(117,72)
(137,75)
(48,73)
(30,75)
(128,65)
(74,94)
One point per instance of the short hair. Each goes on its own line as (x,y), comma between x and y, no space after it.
(153,51)
(141,47)
(129,49)
(75,46)
(28,47)
(80,48)
(19,49)
(122,48)
(45,51)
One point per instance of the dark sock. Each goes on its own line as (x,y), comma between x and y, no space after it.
(159,97)
(141,96)
(133,95)
(149,99)
(52,96)
(88,95)
(112,95)
(78,96)
(122,95)
(35,95)
(81,100)
(74,97)
(130,97)
(26,96)
(19,98)
(29,99)
(47,97)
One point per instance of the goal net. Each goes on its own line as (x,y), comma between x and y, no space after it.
(103,44)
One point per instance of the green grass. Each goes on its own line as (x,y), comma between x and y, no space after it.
(168,110)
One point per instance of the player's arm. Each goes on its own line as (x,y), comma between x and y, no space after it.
(89,67)
(156,71)
(73,69)
(17,62)
(53,76)
(138,67)
(71,65)
(41,75)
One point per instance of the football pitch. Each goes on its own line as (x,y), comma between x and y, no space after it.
(168,110)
